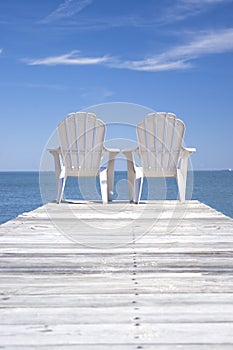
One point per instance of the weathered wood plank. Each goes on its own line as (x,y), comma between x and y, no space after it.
(88,276)
(113,300)
(126,347)
(176,313)
(179,333)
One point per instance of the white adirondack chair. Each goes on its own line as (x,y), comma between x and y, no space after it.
(161,153)
(81,150)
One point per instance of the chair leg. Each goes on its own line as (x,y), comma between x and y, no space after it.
(104,185)
(131,185)
(138,185)
(61,187)
(181,182)
(181,186)
(131,179)
(182,178)
(110,179)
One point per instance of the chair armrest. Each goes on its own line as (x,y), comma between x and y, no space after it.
(112,152)
(131,165)
(135,150)
(183,163)
(186,152)
(57,162)
(129,153)
(54,151)
(188,149)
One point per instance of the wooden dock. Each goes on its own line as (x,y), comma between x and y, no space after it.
(88,276)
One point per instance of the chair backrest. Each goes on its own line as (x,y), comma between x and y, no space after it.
(81,138)
(160,137)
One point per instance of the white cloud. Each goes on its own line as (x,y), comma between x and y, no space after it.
(67,9)
(182,9)
(208,43)
(176,58)
(1,50)
(176,11)
(71,58)
(180,57)
(153,64)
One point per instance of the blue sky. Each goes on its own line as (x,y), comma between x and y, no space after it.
(61,56)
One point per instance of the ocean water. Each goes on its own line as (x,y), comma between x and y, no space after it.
(23,191)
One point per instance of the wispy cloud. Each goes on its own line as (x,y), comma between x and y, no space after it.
(202,2)
(45,86)
(176,11)
(105,22)
(35,85)
(207,43)
(1,51)
(181,57)
(183,9)
(152,64)
(67,9)
(95,94)
(176,58)
(72,58)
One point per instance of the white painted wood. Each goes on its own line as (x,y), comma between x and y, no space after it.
(81,150)
(160,138)
(99,139)
(81,120)
(104,185)
(64,142)
(170,126)
(142,137)
(138,184)
(90,140)
(73,137)
(160,123)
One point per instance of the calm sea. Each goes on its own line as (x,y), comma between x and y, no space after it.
(20,191)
